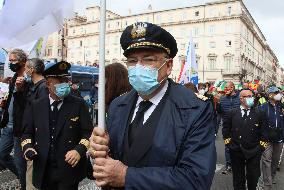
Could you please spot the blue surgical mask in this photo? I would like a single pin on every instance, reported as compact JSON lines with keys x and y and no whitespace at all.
{"x":27,"y":78}
{"x":62,"y":90}
{"x":250,"y":101}
{"x":144,"y":79}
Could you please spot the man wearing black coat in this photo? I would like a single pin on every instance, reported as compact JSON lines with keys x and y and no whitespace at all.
{"x":33,"y":76}
{"x":11,"y":122}
{"x":56,"y":134}
{"x":244,"y":134}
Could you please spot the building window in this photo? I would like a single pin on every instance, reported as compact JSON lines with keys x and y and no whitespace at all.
{"x":195,"y":31}
{"x":212,"y":62}
{"x":89,"y":53}
{"x":196,"y":45}
{"x":228,"y":63}
{"x":82,"y":30}
{"x":59,"y":53}
{"x":81,"y":43}
{"x":212,"y":44}
{"x":229,"y":43}
{"x":184,"y":16}
{"x":229,"y":9}
{"x":212,"y":13}
{"x":74,"y":31}
{"x":126,"y":23}
{"x":118,"y":24}
{"x":107,"y":51}
{"x":228,"y":28}
{"x":49,"y":52}
{"x":211,"y":30}
{"x":196,"y":13}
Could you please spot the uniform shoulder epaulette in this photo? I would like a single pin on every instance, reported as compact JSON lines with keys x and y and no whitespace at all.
{"x":201,"y":97}
{"x":123,"y":94}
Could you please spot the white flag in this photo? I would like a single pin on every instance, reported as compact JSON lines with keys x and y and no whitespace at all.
{"x":22,"y":22}
{"x":189,"y":71}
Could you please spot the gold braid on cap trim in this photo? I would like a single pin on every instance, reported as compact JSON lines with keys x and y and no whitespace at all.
{"x":264,"y":144}
{"x":25,"y":142}
{"x":149,"y":44}
{"x":85,"y":142}
{"x":227,"y":141}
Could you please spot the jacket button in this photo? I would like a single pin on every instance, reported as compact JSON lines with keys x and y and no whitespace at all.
{"x":70,"y":141}
{"x":240,"y":137}
{"x":36,"y":129}
{"x":70,"y":127}
{"x":35,"y":143}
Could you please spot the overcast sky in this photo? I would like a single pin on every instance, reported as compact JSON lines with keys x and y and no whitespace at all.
{"x":268,"y":14}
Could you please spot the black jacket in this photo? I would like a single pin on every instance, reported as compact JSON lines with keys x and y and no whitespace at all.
{"x":73,"y":130}
{"x":19,"y":104}
{"x":245,"y":135}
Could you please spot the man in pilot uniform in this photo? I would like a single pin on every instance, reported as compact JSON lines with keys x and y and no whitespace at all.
{"x":160,"y":135}
{"x":56,"y":134}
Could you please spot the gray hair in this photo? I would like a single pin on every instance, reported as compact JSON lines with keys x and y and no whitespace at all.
{"x":21,"y":56}
{"x":37,"y":64}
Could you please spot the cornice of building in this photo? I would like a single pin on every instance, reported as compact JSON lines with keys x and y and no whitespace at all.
{"x":154,"y":12}
{"x":244,"y":6}
{"x":164,"y":24}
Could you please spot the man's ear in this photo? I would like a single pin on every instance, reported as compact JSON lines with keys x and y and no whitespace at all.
{"x":169,"y":66}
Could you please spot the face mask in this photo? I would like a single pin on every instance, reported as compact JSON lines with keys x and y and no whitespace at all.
{"x":62,"y":90}
{"x":27,"y":78}
{"x":14,"y":67}
{"x":201,"y":92}
{"x":278,"y":97}
{"x":250,"y":102}
{"x":144,"y":79}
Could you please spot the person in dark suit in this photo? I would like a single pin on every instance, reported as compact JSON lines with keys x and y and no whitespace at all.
{"x":160,"y":134}
{"x":56,"y":134}
{"x":33,"y":76}
{"x":244,"y":132}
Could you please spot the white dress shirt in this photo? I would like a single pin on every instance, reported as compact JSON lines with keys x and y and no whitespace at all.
{"x":51,"y":100}
{"x":155,"y":101}
{"x":243,"y":111}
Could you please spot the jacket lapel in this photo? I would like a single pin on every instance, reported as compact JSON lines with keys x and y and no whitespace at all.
{"x":125,"y":110}
{"x":63,"y":115}
{"x":44,"y":115}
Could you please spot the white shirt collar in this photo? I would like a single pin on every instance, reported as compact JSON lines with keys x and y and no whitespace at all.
{"x":242,"y":108}
{"x":158,"y":97}
{"x":51,"y":100}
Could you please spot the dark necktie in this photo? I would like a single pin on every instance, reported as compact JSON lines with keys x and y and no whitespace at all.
{"x":55,"y":110}
{"x":245,"y":114}
{"x":138,"y":120}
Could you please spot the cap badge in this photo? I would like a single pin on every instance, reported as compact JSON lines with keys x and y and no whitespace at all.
{"x":62,"y":66}
{"x":138,"y":30}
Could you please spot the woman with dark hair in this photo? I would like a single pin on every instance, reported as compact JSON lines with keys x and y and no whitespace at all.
{"x":191,"y":86}
{"x":116,"y":82}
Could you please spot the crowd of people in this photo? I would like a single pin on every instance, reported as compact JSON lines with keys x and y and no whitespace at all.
{"x":252,"y":128}
{"x":159,"y":134}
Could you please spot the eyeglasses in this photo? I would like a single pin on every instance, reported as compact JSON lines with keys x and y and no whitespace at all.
{"x":146,"y":61}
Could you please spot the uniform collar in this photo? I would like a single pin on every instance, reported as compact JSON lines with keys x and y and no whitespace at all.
{"x":158,"y":97}
{"x":176,"y":91}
